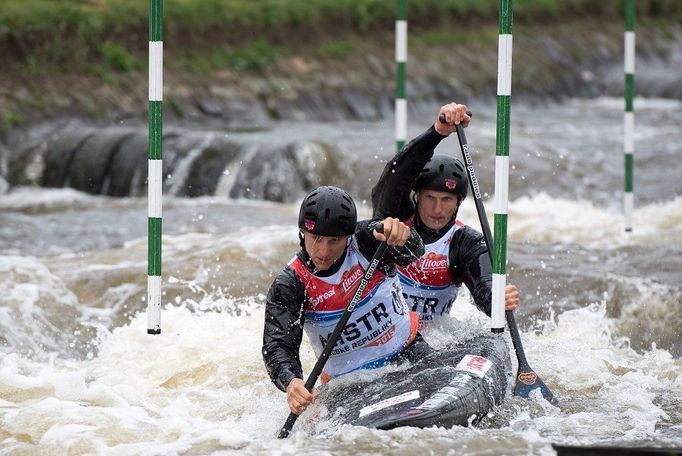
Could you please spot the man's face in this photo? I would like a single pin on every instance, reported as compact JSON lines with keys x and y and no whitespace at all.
{"x":324,"y":250}
{"x":436,"y":208}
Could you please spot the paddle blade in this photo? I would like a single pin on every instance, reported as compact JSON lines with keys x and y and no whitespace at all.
{"x":528,"y":381}
{"x":284,"y":432}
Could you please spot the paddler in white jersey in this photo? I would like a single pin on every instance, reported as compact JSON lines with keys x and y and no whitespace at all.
{"x":314,"y":290}
{"x":425,"y":191}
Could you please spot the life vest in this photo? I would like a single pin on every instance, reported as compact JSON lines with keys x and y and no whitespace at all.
{"x":428,"y":285}
{"x":379,"y":327}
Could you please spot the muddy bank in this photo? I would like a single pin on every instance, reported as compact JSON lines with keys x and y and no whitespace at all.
{"x":580,"y":59}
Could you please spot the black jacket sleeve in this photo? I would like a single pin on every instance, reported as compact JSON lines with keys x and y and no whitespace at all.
{"x":402,"y":256}
{"x":391,"y":194}
{"x":283,"y":331}
{"x":470,"y":264}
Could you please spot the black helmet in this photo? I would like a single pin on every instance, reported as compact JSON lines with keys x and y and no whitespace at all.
{"x":443,"y":173}
{"x":328,"y":211}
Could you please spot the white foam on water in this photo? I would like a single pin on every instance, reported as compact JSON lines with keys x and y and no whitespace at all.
{"x":201,"y":387}
{"x":201,"y":383}
{"x":543,"y":219}
{"x":38,"y":313}
{"x":608,"y":391}
{"x":36,"y":199}
{"x":616,"y":104}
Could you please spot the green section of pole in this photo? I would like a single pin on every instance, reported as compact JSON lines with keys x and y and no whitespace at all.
{"x":402,"y":10}
{"x":155,"y":20}
{"x":629,"y":159}
{"x":155,"y":167}
{"x":506,"y":16}
{"x":503,"y":122}
{"x":629,"y":92}
{"x":401,"y":73}
{"x":630,"y":15}
{"x":500,"y":244}
{"x":154,"y":246}
{"x":155,"y":130}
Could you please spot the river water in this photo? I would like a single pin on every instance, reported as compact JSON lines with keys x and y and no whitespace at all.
{"x":600,"y":318}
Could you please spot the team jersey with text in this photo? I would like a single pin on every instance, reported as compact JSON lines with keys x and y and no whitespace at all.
{"x":427,"y":283}
{"x":380,"y":325}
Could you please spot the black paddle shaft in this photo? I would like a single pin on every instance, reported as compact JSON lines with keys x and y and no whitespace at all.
{"x":329,"y":346}
{"x":526,"y":379}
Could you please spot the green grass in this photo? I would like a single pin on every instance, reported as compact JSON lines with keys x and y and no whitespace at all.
{"x":337,"y":49}
{"x":485,"y":35}
{"x":249,"y":35}
{"x":12,"y":118}
{"x":256,"y":56}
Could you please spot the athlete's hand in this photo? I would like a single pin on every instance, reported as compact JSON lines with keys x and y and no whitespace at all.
{"x":298,"y":397}
{"x":454,"y":114}
{"x":512,"y":297}
{"x":395,"y":232}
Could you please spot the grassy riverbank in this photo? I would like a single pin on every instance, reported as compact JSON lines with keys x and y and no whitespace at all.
{"x":54,"y":49}
{"x":72,"y":35}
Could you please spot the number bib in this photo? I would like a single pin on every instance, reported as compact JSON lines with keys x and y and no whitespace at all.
{"x":379,"y":327}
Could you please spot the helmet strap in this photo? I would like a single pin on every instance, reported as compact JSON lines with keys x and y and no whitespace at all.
{"x":459,"y":203}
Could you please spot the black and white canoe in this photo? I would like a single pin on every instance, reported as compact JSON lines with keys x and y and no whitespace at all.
{"x":455,"y":385}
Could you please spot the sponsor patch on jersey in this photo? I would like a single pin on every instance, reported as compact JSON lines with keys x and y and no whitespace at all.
{"x":450,"y":183}
{"x":309,"y":224}
{"x":432,"y":261}
{"x":474,"y":364}
{"x":351,"y":277}
{"x":395,"y":400}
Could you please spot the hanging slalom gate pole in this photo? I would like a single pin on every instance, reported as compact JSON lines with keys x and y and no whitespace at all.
{"x":527,"y":380}
{"x":504,"y":73}
{"x":401,"y":74}
{"x":629,"y":120}
{"x":155,"y":168}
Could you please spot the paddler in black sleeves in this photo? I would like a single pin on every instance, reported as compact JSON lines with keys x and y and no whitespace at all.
{"x":425,"y":191}
{"x":313,"y":291}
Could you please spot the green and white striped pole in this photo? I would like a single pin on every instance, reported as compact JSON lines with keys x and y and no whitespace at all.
{"x":401,"y":73}
{"x":155,"y":177}
{"x":629,"y":120}
{"x":504,"y":80}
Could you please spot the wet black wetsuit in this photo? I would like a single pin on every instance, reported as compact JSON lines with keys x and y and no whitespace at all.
{"x":391,"y":197}
{"x":287,"y":303}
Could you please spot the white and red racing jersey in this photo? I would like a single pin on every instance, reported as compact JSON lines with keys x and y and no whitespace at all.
{"x":380,"y":325}
{"x":427,"y":283}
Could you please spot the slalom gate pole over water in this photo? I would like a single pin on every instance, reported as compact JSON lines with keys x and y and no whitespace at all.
{"x":504,"y":77}
{"x":527,"y":380}
{"x":401,"y":74}
{"x":629,"y":120}
{"x":155,"y":168}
